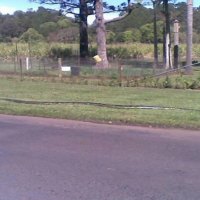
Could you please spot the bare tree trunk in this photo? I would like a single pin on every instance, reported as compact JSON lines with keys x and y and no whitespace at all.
{"x":189,"y":35}
{"x":155,"y":36}
{"x":167,"y":40}
{"x":101,"y":34}
{"x":164,"y":44}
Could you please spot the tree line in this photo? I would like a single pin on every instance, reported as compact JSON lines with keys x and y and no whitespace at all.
{"x":43,"y":24}
{"x":137,"y":27}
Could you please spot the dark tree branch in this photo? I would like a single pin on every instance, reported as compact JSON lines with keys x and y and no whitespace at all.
{"x":127,"y":13}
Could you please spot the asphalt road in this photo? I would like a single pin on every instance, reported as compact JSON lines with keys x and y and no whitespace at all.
{"x":48,"y":159}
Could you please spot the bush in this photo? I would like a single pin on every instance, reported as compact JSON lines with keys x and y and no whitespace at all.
{"x":194,"y":85}
{"x":60,"y":52}
{"x":31,"y":35}
{"x":92,"y":51}
{"x":167,"y":83}
{"x":124,"y":52}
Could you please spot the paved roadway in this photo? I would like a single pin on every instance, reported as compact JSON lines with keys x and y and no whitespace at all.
{"x":47,"y":159}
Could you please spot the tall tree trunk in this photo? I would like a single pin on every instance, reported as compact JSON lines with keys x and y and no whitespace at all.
{"x":101,"y":34}
{"x":155,"y":36}
{"x":167,"y":40}
{"x":164,"y":45}
{"x":84,"y":52}
{"x":189,"y":35}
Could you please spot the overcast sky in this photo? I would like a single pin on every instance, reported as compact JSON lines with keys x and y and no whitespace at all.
{"x":9,"y":6}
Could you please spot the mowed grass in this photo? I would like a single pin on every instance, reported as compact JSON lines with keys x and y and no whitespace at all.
{"x":48,"y":91}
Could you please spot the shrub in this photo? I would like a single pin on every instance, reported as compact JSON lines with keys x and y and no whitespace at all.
{"x":194,"y":85}
{"x":31,"y":35}
{"x":60,"y":52}
{"x":167,"y":82}
{"x":92,"y":51}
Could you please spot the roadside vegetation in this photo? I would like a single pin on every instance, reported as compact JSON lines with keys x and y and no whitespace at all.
{"x":171,"y":108}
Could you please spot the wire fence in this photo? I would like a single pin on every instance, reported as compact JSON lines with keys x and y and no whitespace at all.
{"x":122,"y":72}
{"x":51,"y":67}
{"x":127,"y":61}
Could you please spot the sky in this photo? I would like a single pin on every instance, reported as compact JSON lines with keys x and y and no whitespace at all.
{"x":10,"y":6}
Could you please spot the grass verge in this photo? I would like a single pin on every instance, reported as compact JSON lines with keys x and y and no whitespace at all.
{"x":47,"y":91}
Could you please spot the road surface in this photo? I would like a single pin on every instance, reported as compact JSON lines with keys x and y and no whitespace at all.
{"x":49,"y":159}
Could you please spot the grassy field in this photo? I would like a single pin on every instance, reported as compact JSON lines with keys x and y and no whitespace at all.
{"x":186,"y":102}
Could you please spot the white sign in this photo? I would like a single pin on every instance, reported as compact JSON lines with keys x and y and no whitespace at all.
{"x":66,"y":68}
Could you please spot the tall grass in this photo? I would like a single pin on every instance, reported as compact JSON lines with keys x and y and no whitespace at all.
{"x":121,"y":50}
{"x":8,"y":50}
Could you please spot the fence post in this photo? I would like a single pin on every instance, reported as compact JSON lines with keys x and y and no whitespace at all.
{"x":60,"y":67}
{"x":15,"y":64}
{"x":120,"y":73}
{"x":20,"y":65}
{"x":29,"y":53}
{"x":16,"y":56}
{"x":44,"y":66}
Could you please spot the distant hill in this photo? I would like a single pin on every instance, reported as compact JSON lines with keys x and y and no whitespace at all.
{"x":139,"y":17}
{"x":44,"y":21}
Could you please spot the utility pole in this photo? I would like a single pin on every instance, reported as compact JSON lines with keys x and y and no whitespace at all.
{"x":189,"y":36}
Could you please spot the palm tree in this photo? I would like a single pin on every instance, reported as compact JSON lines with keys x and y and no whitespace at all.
{"x":155,"y":3}
{"x":189,"y":36}
{"x":167,"y":39}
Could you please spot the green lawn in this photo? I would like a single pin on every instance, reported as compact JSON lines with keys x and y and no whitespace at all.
{"x":48,"y":91}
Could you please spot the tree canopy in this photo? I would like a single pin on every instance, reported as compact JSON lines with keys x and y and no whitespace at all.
{"x":44,"y":21}
{"x":15,"y":25}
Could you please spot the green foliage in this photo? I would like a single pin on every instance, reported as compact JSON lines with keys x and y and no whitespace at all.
{"x":147,"y":33}
{"x":60,"y":52}
{"x":48,"y":27}
{"x":10,"y":28}
{"x":40,"y":49}
{"x":31,"y":35}
{"x":173,"y":81}
{"x":139,"y":22}
{"x":136,"y":19}
{"x":196,"y":50}
{"x":167,"y":82}
{"x":110,"y":37}
{"x":119,"y":52}
{"x":136,"y":35}
{"x":64,"y":23}
{"x":44,"y":20}
{"x":195,"y":84}
{"x":93,"y":51}
{"x":135,"y":50}
{"x":179,"y":83}
{"x":126,"y":37}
